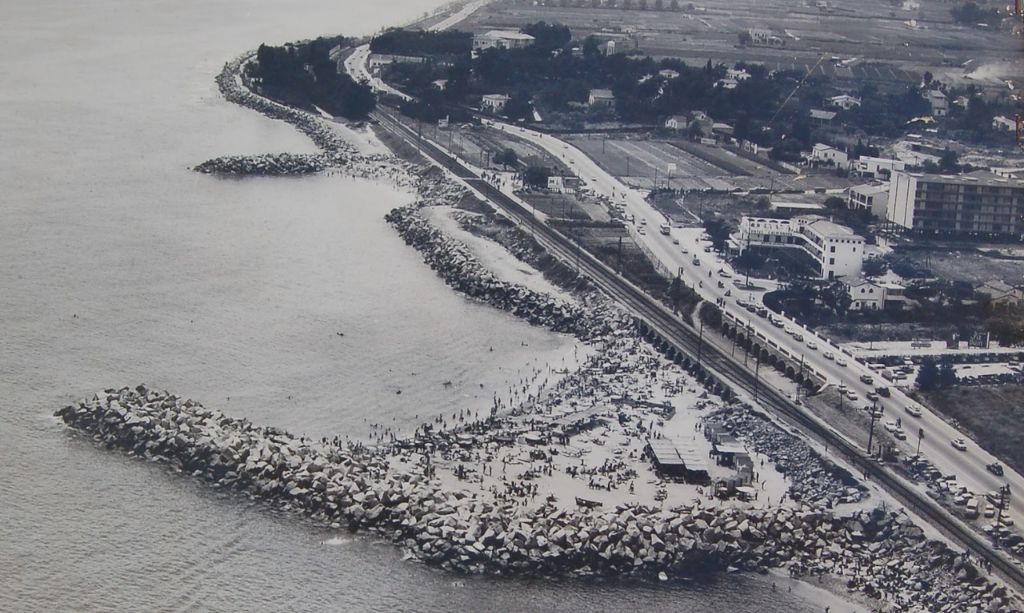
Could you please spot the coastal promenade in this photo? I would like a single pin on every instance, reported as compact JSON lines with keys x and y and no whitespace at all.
{"x":681,"y":338}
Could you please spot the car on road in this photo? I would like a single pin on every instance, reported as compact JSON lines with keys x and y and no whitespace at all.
{"x":852,"y":395}
{"x":891,"y":426}
{"x":883,"y":391}
{"x":643,"y":222}
{"x":675,"y":241}
{"x":725,"y":274}
{"x":913,"y":411}
{"x":872,"y":396}
{"x":798,"y":337}
{"x":684,"y":251}
{"x":867,"y":379}
{"x":696,"y":261}
{"x":840,"y":362}
{"x":778,"y":323}
{"x":900,"y":435}
{"x":958,"y":444}
{"x":812,"y":345}
{"x":828,"y":355}
{"x":641,"y":231}
{"x":995,"y":468}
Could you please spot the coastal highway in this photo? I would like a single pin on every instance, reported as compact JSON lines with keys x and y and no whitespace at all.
{"x":700,"y":267}
{"x":685,"y":338}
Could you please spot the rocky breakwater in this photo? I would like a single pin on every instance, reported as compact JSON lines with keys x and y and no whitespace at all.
{"x":270,"y":164}
{"x":881,"y":554}
{"x":453,"y":261}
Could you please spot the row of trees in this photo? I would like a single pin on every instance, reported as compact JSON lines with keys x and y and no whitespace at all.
{"x":305,"y":76}
{"x":932,"y":376}
{"x":970,"y":14}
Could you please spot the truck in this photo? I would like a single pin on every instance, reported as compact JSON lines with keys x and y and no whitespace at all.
{"x":665,"y":229}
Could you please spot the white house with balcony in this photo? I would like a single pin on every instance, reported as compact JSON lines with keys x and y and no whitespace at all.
{"x":494,"y":103}
{"x":877,"y":168}
{"x":844,"y":101}
{"x":872,"y":197}
{"x":501,"y":39}
{"x":827,"y":155}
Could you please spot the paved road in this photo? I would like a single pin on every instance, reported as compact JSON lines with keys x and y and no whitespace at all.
{"x":696,"y":263}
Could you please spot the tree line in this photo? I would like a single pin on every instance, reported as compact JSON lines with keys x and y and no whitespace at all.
{"x":305,"y":76}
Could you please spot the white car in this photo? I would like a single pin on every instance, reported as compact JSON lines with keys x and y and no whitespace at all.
{"x":812,"y":345}
{"x":675,"y":241}
{"x":890,"y":425}
{"x":829,"y":355}
{"x":852,"y":395}
{"x":958,"y":444}
{"x":840,"y":362}
{"x":913,"y":411}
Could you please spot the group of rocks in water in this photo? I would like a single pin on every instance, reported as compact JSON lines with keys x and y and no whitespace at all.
{"x":879,"y":553}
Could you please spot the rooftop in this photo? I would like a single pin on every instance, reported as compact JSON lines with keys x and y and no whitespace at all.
{"x":978,"y":177}
{"x":505,"y":35}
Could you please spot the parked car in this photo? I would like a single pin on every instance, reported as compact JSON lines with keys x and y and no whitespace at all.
{"x":900,"y":435}
{"x":959,"y":444}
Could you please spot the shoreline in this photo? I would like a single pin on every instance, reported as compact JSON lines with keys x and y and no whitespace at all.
{"x":445,"y":251}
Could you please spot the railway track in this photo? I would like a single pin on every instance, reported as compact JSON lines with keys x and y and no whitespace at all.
{"x":723,"y":367}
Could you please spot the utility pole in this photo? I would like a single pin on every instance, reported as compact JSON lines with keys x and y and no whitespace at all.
{"x":757,"y":371}
{"x":1003,"y":491}
{"x":920,"y":435}
{"x":871,"y":433}
{"x":746,"y":348}
{"x":700,"y":339}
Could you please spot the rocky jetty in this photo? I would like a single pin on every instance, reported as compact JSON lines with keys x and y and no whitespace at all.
{"x":878,"y":553}
{"x":270,"y":164}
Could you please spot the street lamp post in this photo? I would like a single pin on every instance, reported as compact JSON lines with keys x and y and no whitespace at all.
{"x":920,"y":435}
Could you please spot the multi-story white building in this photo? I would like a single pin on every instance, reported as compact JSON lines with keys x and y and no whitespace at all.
{"x":837,"y":251}
{"x":979,"y":204}
{"x":871,"y":197}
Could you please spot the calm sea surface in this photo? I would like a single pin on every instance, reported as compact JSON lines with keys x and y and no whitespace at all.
{"x":118,"y":266}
